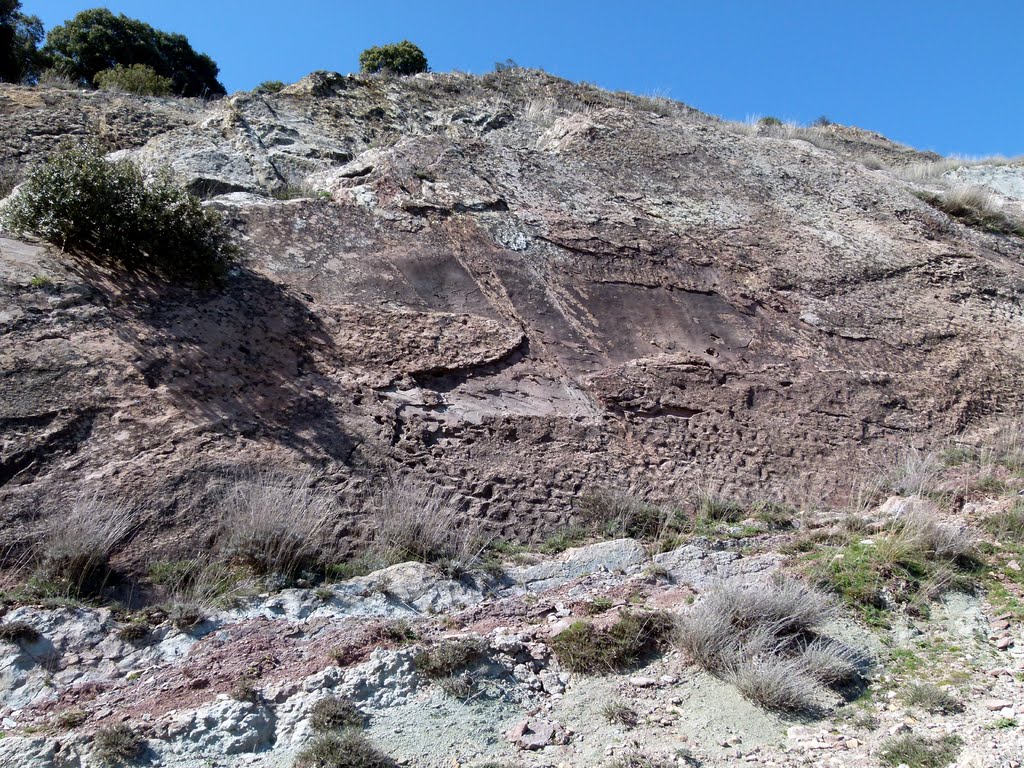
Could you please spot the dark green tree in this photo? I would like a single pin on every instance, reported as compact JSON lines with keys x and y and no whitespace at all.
{"x":20,"y":35}
{"x":97,"y":40}
{"x":402,"y":58}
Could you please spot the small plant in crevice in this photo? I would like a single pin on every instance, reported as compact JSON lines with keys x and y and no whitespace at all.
{"x":764,"y":639}
{"x":619,"y":713}
{"x":932,"y":699}
{"x":587,"y":648}
{"x":116,"y":745}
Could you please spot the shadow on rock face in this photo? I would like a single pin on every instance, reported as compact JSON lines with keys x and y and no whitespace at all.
{"x":244,"y":358}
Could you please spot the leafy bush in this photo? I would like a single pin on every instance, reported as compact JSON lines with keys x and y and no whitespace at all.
{"x":348,"y":749}
{"x":138,"y":79}
{"x":770,"y":122}
{"x":586,"y":648}
{"x":920,"y":751}
{"x":107,"y":211}
{"x":96,"y":40}
{"x":270,"y":86}
{"x":116,"y":744}
{"x":402,"y":58}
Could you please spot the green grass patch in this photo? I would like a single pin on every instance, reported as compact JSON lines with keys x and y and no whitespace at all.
{"x":588,"y":649}
{"x":920,"y":751}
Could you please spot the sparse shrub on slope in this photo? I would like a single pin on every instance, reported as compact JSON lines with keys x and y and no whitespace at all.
{"x":589,"y":649}
{"x":348,"y":749}
{"x":270,"y":86}
{"x":108,"y":212}
{"x":116,"y":745}
{"x":138,"y":79}
{"x":402,"y":58}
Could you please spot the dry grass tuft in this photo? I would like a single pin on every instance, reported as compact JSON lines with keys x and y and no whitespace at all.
{"x":932,"y":699}
{"x":763,"y":639}
{"x":616,"y":712}
{"x":974,"y":207}
{"x":918,"y":751}
{"x":275,"y":525}
{"x":75,"y":549}
{"x":414,"y":520}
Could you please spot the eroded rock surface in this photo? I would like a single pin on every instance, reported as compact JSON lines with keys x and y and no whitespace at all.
{"x":521,"y":287}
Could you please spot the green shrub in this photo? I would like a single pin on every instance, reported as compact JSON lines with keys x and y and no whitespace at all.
{"x":920,"y":751}
{"x":348,"y":749}
{"x":107,"y":211}
{"x":116,"y":744}
{"x":770,"y":122}
{"x":270,"y":86}
{"x":588,"y":649}
{"x":96,"y":40}
{"x":138,"y":79}
{"x":402,"y":58}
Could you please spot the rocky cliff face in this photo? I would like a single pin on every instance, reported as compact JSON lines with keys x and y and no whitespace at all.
{"x":521,"y":287}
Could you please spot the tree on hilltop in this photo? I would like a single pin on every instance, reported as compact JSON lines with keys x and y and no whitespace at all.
{"x":96,"y":40}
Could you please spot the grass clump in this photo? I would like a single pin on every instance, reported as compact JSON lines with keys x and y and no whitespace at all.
{"x":70,"y":719}
{"x":75,"y":548}
{"x":931,"y":699}
{"x":17,"y":632}
{"x":334,"y":713}
{"x":108,"y":212}
{"x":133,"y":631}
{"x":974,"y":207}
{"x":348,"y":749}
{"x":116,"y":745}
{"x":138,"y":79}
{"x":413,"y":519}
{"x":588,"y":649}
{"x":275,"y":525}
{"x":1008,"y":525}
{"x":763,"y":639}
{"x":637,"y":759}
{"x":617,"y":713}
{"x":920,"y":751}
{"x":914,"y":560}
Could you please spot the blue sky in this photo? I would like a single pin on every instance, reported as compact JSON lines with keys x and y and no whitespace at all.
{"x":941,"y":75}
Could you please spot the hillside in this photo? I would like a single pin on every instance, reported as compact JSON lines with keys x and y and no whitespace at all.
{"x":525,"y":292}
